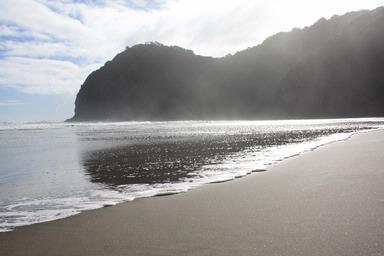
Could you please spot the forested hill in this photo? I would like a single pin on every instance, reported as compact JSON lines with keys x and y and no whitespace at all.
{"x":334,"y":68}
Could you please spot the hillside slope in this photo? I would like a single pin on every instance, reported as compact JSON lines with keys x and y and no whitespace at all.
{"x":334,"y":68}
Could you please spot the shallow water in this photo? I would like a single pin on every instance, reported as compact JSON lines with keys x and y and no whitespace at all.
{"x":54,"y":170}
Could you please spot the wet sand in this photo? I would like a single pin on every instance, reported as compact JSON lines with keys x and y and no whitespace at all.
{"x":326,"y":202}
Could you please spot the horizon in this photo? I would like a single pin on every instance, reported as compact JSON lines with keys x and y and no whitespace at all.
{"x":170,"y":127}
{"x":56,"y":58}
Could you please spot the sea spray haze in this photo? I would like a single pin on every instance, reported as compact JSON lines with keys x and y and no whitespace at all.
{"x":330,"y":69}
{"x":54,"y":170}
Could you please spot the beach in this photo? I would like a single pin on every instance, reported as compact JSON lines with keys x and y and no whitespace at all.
{"x":329,"y":201}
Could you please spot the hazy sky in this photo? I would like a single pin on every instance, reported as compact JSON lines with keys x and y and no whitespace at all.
{"x":47,"y":48}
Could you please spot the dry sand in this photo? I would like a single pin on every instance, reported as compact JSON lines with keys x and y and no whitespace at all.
{"x":326,"y":202}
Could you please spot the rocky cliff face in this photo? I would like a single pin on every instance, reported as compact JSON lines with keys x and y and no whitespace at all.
{"x":335,"y":68}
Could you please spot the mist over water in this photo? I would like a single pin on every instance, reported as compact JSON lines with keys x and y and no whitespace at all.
{"x":54,"y":170}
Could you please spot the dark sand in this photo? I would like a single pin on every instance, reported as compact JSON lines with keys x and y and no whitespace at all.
{"x":326,"y":202}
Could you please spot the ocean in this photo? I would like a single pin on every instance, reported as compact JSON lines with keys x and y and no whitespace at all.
{"x":50,"y":171}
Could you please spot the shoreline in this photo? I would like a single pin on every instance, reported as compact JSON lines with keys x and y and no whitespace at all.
{"x":285,"y":210}
{"x":313,"y":144}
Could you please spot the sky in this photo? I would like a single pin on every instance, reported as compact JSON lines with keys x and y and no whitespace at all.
{"x":48,"y":48}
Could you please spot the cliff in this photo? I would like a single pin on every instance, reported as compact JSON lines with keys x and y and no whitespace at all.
{"x":334,"y":68}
